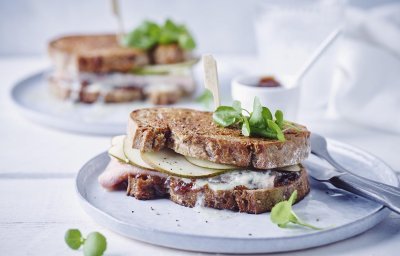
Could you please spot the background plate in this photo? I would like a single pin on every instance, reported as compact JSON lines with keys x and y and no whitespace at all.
{"x":33,"y":98}
{"x":164,"y":223}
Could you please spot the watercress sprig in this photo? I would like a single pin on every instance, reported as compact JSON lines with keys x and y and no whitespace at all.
{"x":282,"y":214}
{"x":94,"y":245}
{"x":259,"y":122}
{"x":149,"y":34}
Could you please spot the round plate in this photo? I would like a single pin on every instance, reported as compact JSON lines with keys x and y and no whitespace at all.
{"x":31,"y":95}
{"x":162,"y":222}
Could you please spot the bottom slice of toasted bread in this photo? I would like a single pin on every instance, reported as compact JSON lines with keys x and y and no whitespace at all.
{"x":145,"y":186}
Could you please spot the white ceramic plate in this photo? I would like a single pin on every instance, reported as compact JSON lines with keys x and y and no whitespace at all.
{"x":32,"y":97}
{"x":164,"y":223}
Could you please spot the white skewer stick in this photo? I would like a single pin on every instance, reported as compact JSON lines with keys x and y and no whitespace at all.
{"x":317,"y":54}
{"x":116,"y":12}
{"x":211,"y":77}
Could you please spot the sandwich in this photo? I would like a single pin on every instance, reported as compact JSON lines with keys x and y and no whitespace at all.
{"x":152,"y":62}
{"x":194,"y":159}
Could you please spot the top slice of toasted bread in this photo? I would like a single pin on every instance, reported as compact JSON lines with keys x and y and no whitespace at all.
{"x":94,"y":53}
{"x":193,"y":133}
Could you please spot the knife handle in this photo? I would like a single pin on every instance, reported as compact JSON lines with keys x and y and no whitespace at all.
{"x":364,"y":188}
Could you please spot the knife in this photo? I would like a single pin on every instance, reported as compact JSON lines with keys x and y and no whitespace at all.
{"x":354,"y":184}
{"x":319,"y":148}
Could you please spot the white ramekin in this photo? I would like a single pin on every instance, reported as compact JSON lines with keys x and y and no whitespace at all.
{"x":244,"y":89}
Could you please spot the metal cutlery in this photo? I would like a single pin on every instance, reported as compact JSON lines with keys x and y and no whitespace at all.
{"x":319,"y":148}
{"x":354,"y":184}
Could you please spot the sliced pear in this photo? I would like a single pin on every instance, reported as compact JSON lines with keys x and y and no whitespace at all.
{"x":133,"y":155}
{"x":209,"y":164}
{"x":117,"y":152}
{"x":169,"y":162}
{"x":290,"y":168}
{"x":117,"y":140}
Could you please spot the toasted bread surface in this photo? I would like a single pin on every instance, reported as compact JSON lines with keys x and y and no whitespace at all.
{"x":182,"y":192}
{"x":193,"y":133}
{"x":94,"y":53}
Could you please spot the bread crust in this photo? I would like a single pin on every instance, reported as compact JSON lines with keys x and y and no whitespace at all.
{"x":146,"y":187}
{"x":193,"y":133}
{"x":94,"y":53}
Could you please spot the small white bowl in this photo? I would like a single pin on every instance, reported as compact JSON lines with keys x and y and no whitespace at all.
{"x":244,"y":89}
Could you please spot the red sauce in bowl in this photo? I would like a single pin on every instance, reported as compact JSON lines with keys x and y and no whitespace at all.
{"x":268,"y":81}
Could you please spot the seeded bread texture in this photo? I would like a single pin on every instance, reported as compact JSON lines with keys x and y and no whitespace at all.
{"x":94,"y":53}
{"x":193,"y":133}
{"x":182,"y":192}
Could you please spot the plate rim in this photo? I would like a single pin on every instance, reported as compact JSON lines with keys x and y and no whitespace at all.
{"x":53,"y":121}
{"x":376,"y":215}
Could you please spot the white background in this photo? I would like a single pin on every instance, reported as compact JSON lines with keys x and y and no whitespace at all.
{"x":220,"y":26}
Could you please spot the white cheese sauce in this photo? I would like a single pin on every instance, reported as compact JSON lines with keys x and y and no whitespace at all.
{"x":248,"y":178}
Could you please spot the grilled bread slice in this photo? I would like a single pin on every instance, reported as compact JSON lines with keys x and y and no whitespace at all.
{"x":94,"y":53}
{"x":148,"y":185}
{"x":193,"y":133}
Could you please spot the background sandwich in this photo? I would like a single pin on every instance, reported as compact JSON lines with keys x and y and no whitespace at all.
{"x":152,"y":62}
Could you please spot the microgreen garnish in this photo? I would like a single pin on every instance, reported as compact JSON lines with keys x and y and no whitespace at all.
{"x":206,"y":98}
{"x":149,"y":34}
{"x":282,"y":214}
{"x":260,"y":122}
{"x":94,"y":245}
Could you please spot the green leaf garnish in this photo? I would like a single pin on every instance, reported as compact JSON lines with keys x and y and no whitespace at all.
{"x":282,"y":214}
{"x":149,"y":34}
{"x":257,"y":123}
{"x":279,"y":118}
{"x":226,"y":116}
{"x":206,"y":98}
{"x":273,"y":126}
{"x":73,"y":238}
{"x":94,"y":245}
{"x":246,"y":127}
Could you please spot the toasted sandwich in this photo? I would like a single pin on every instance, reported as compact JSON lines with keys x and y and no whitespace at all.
{"x":183,"y":155}
{"x":91,"y":68}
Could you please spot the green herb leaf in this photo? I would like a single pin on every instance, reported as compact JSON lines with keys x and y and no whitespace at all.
{"x":256,"y":117}
{"x":237,"y":106}
{"x":73,"y":238}
{"x":279,"y":118}
{"x":282,"y":214}
{"x":143,"y":37}
{"x":206,"y":98}
{"x":266,"y":113}
{"x":260,"y":123}
{"x":148,"y":34}
{"x":186,"y":42}
{"x":95,"y":244}
{"x":246,"y":127}
{"x":263,"y":132}
{"x":277,"y":130}
{"x":226,"y":116}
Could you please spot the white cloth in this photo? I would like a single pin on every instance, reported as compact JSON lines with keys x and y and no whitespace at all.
{"x":367,"y":83}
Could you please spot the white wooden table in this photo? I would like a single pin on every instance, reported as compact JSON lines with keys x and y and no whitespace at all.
{"x":38,"y":166}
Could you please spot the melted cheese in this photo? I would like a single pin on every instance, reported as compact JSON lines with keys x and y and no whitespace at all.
{"x":248,"y":178}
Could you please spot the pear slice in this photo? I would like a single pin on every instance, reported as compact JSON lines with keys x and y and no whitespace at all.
{"x":133,"y":154}
{"x":290,"y":168}
{"x":210,"y":165}
{"x":117,"y":140}
{"x":116,"y":149}
{"x":169,"y":162}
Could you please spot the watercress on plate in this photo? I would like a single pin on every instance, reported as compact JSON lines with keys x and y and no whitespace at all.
{"x":282,"y":214}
